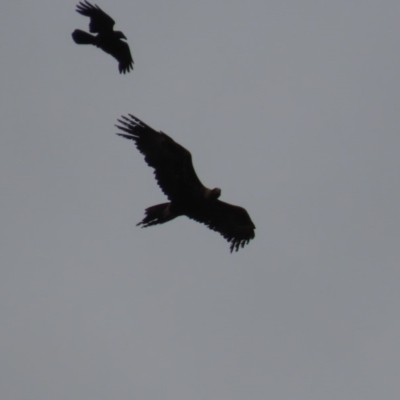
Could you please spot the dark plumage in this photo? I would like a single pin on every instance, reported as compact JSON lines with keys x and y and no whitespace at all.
{"x":106,"y":39}
{"x":177,"y":178}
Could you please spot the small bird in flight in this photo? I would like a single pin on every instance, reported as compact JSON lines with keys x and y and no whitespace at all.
{"x":106,"y":39}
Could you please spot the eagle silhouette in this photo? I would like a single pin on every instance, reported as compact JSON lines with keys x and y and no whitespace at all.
{"x":106,"y":39}
{"x":175,"y":174}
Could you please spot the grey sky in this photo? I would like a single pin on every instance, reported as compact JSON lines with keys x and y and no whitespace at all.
{"x":292,"y":108}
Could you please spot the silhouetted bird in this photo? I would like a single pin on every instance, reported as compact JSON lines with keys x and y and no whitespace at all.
{"x":178,"y":180}
{"x":106,"y":39}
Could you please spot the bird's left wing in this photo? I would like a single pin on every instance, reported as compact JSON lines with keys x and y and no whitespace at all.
{"x":121,"y":52}
{"x":232,"y":222}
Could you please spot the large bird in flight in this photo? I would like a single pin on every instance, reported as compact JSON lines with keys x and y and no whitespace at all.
{"x":175,"y":174}
{"x":106,"y":39}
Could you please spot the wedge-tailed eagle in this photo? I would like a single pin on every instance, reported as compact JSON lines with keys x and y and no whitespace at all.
{"x":175,"y":174}
{"x":106,"y":39}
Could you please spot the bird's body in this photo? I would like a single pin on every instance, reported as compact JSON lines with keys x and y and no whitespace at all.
{"x":110,"y":41}
{"x":178,"y":180}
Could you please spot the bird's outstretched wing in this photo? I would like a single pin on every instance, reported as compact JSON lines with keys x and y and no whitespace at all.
{"x":120,"y":51}
{"x":99,"y":21}
{"x":232,"y":222}
{"x":172,"y":163}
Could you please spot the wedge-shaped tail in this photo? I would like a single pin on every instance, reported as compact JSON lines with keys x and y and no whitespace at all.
{"x":81,"y":37}
{"x":158,"y":214}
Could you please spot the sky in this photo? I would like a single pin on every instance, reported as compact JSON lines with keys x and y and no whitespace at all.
{"x":292,"y":109}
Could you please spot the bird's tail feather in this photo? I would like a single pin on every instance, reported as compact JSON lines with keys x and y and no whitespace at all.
{"x":157,"y":214}
{"x":81,"y":37}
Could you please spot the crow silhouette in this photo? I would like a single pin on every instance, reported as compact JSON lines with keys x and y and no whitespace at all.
{"x":106,"y":39}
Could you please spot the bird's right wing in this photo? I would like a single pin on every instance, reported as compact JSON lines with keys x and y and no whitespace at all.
{"x":172,"y":163}
{"x":99,"y":20}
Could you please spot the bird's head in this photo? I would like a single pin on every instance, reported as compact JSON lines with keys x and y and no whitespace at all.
{"x":215,"y":193}
{"x":120,"y":35}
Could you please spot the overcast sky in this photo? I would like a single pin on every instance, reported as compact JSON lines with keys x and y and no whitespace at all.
{"x":292,"y":109}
